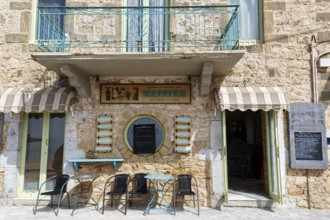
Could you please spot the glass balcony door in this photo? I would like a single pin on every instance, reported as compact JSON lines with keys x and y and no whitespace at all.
{"x":42,"y":150}
{"x":145,"y":26}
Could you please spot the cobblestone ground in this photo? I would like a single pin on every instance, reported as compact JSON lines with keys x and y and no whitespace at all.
{"x":84,"y":213}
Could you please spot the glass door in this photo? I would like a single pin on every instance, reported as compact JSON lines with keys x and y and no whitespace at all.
{"x":273,"y":160}
{"x":42,"y":150}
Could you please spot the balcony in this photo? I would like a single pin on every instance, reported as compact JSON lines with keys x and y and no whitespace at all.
{"x":137,"y":29}
{"x":123,"y":41}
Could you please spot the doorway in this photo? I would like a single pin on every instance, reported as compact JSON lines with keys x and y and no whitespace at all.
{"x":246,"y":154}
{"x":42,"y":150}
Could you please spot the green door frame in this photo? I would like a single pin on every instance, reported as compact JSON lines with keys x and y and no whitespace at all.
{"x":43,"y":155}
{"x":272,"y":145}
{"x":273,"y":158}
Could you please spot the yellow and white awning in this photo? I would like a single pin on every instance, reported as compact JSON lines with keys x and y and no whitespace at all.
{"x":252,"y":98}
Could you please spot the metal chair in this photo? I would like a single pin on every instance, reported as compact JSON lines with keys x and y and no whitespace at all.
{"x":185,"y":189}
{"x":139,"y":188}
{"x":59,"y":189}
{"x":120,"y":187}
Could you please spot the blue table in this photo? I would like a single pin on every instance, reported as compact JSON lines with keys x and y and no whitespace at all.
{"x":163,"y":204}
{"x":81,"y":178}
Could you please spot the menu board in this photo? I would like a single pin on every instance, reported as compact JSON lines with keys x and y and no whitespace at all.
{"x":308,"y":143}
{"x":144,"y":139}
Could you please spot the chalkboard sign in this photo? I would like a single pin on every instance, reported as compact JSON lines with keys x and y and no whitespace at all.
{"x":308,"y":140}
{"x":144,"y":139}
{"x":308,"y":145}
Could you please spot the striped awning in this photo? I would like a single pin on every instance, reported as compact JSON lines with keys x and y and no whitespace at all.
{"x":49,"y":99}
{"x":252,"y":98}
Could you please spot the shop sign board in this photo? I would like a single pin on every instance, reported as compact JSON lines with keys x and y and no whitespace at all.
{"x":308,"y":141}
{"x":145,"y":93}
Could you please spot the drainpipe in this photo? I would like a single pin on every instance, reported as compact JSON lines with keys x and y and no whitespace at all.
{"x":313,"y":40}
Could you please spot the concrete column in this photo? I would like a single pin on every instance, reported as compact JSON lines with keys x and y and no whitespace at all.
{"x":10,"y":158}
{"x":216,"y":163}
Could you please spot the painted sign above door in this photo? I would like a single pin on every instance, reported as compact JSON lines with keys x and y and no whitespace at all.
{"x":145,"y":93}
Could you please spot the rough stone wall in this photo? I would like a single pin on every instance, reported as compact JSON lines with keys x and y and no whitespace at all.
{"x":165,"y":160}
{"x":283,"y":60}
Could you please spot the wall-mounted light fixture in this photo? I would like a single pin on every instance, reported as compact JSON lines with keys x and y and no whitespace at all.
{"x":324,"y":62}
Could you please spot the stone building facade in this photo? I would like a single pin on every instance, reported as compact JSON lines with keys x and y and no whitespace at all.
{"x":282,"y":58}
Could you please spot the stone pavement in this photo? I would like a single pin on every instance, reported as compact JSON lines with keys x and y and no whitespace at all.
{"x":89,"y":213}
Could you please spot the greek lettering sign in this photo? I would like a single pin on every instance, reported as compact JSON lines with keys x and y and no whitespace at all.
{"x":145,"y":93}
{"x":308,"y":145}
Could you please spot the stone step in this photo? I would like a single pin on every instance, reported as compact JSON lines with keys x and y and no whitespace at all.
{"x":244,"y":199}
{"x":250,"y":203}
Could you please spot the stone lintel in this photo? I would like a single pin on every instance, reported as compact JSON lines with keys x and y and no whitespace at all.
{"x":280,"y":38}
{"x":323,"y":36}
{"x":20,"y":5}
{"x":276,"y":6}
{"x":79,"y":81}
{"x":16,"y":38}
{"x":206,"y":78}
{"x":323,"y":16}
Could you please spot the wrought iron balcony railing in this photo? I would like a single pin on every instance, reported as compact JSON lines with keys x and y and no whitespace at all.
{"x":137,"y":29}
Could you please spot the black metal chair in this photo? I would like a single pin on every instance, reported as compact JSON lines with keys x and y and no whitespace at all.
{"x":139,"y":188}
{"x":59,"y":189}
{"x":120,"y":186}
{"x":185,"y":189}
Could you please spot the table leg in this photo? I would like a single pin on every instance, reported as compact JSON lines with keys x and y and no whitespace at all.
{"x":82,"y":191}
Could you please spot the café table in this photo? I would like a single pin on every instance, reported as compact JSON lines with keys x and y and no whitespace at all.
{"x":159,"y":190}
{"x":81,"y":178}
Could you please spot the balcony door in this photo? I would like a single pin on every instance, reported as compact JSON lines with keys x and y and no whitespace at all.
{"x":145,"y":25}
{"x":51,"y":19}
{"x":42,"y":150}
{"x":249,"y":19}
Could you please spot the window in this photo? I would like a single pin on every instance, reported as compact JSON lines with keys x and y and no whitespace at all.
{"x":249,"y":19}
{"x":144,"y":135}
{"x":146,"y":25}
{"x":51,"y":20}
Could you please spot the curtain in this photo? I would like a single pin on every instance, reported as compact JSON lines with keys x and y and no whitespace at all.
{"x":134,"y":26}
{"x":157,"y":26}
{"x":248,"y":18}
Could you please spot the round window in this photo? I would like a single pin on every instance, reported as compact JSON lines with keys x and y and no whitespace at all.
{"x":144,"y":134}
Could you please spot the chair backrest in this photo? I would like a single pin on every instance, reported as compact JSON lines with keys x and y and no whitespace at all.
{"x":140,"y":183}
{"x":60,"y":181}
{"x":184,"y":182}
{"x":121,"y":181}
